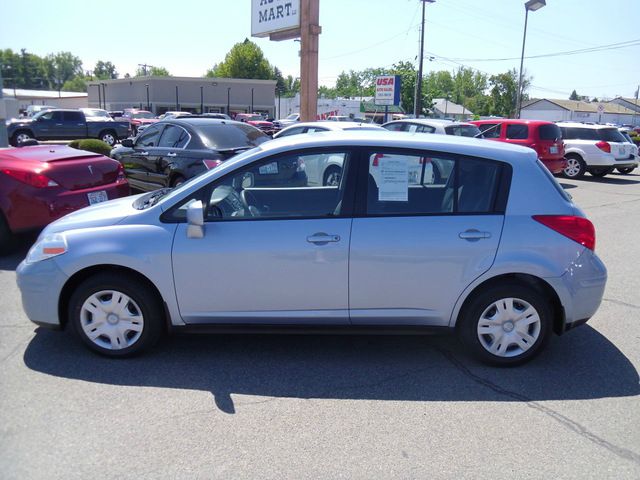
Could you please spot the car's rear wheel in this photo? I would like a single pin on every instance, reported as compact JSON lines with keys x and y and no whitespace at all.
{"x":116,"y":315}
{"x":600,"y":172}
{"x":506,"y":325}
{"x":576,"y":168}
{"x":332,"y":176}
{"x":626,"y":170}
{"x":109,"y":138}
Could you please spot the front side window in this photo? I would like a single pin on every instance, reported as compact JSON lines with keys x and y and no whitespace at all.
{"x":517,"y":132}
{"x":149,"y":138}
{"x":283,"y":186}
{"x":412,"y":184}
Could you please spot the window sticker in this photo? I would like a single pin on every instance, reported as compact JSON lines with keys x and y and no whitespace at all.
{"x":394,"y":179}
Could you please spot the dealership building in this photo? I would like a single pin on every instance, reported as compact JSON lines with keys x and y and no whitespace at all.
{"x":191,"y":94}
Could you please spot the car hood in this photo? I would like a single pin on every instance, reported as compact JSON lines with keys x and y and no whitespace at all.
{"x":19,"y":121}
{"x":99,"y":215}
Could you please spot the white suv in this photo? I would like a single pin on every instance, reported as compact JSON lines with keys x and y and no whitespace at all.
{"x":597,"y":149}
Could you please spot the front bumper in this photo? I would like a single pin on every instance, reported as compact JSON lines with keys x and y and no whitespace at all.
{"x":40,"y":285}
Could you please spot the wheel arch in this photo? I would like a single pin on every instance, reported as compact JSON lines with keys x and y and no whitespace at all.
{"x":81,"y":275}
{"x":521,"y":279}
{"x":20,"y":130}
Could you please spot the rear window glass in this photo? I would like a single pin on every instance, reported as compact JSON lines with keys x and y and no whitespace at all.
{"x":549,"y":132}
{"x":223,"y":136}
{"x":517,"y":132}
{"x":463,"y":130}
{"x":610,"y":135}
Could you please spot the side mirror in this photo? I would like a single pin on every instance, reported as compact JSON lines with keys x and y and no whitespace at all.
{"x":195,"y":220}
{"x":127,"y":142}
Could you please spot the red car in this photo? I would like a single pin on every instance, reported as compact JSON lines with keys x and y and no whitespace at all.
{"x":139,"y":117}
{"x":257,"y":121}
{"x":544,"y":137}
{"x":42,"y":183}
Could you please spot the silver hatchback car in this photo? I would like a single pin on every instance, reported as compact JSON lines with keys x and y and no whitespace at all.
{"x":422,"y":233}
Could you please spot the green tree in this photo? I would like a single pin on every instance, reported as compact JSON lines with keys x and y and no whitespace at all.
{"x":22,"y":70}
{"x":244,"y":60}
{"x":152,"y":72}
{"x":77,"y":84}
{"x":504,"y":91}
{"x":105,"y":70}
{"x":292,"y":86}
{"x":61,"y":67}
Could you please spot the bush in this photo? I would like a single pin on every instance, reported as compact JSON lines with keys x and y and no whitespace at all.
{"x":91,"y":145}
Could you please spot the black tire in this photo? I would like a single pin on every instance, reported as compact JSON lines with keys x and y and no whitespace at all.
{"x":626,"y":170}
{"x":109,"y":137}
{"x":576,"y":168}
{"x":600,"y":172}
{"x":479,"y":308}
{"x":177,"y":181}
{"x":332,"y":176}
{"x":6,"y":237}
{"x":142,"y":301}
{"x":20,"y":136}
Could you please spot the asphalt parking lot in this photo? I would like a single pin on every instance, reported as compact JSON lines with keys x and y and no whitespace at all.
{"x":335,"y":407}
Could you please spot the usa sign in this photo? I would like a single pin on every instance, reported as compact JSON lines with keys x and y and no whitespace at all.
{"x":387,"y":90}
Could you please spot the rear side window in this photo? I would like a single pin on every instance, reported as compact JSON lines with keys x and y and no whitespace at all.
{"x":73,"y":117}
{"x":394,"y":127}
{"x":411,"y":184}
{"x":221,"y":136}
{"x":549,"y":132}
{"x":517,"y":132}
{"x":491,"y":130}
{"x":577,"y":133}
{"x":610,"y":135}
{"x":463,"y":131}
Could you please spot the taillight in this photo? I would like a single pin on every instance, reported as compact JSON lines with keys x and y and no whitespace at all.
{"x":578,"y":229}
{"x":209,"y":164}
{"x":604,"y":146}
{"x":31,"y":178}
{"x":121,"y":175}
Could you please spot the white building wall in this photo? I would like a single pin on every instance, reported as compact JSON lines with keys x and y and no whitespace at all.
{"x":326,"y":106}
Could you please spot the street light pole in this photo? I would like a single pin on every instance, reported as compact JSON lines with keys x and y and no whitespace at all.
{"x":228,"y":97}
{"x":251,"y":101}
{"x":201,"y":99}
{"x":177,"y":105}
{"x":531,"y":5}
{"x":104,"y":94}
{"x":417,"y":103}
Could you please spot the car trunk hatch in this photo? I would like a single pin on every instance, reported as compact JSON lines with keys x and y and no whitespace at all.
{"x":83,"y":172}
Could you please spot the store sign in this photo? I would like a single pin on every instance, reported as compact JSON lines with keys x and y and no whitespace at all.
{"x":387,"y":90}
{"x":271,"y":16}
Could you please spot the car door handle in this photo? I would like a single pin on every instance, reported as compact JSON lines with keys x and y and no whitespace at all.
{"x":58,"y":124}
{"x":322,"y":238}
{"x":80,"y":124}
{"x":474,"y":234}
{"x":171,"y":154}
{"x":144,"y":154}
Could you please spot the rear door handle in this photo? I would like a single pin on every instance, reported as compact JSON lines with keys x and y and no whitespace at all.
{"x":144,"y":154}
{"x":322,"y":238}
{"x":171,"y":154}
{"x":473,"y":234}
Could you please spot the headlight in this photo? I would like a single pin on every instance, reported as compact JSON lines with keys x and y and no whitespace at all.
{"x":47,"y":247}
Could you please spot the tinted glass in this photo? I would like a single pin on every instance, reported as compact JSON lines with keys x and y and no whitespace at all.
{"x":491,"y":130}
{"x":626,"y":137}
{"x":142,"y":115}
{"x":463,"y":130}
{"x":292,"y":131}
{"x":517,"y":132}
{"x":577,"y":133}
{"x":413,"y":185}
{"x":610,"y":135}
{"x":173,"y":137}
{"x":394,"y":127}
{"x":221,"y":136}
{"x":549,"y":132}
{"x":149,"y":138}
{"x":73,"y":117}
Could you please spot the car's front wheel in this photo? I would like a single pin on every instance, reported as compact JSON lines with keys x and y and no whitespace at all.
{"x":506,"y":325}
{"x":116,"y":315}
{"x":332,"y":176}
{"x":576,"y":168}
{"x":109,"y":138}
{"x":626,"y":170}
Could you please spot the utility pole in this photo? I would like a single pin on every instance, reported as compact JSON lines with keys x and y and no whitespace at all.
{"x":309,"y":41}
{"x":417,"y":104}
{"x":3,"y":114}
{"x":144,"y":67}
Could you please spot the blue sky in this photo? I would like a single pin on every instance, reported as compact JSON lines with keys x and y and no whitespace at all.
{"x":189,"y":36}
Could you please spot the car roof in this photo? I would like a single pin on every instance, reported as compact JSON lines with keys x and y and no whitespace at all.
{"x":384,"y":138}
{"x":201,"y":121}
{"x":583,"y":125}
{"x":333,"y":125}
{"x":429,"y":121}
{"x":519,"y":121}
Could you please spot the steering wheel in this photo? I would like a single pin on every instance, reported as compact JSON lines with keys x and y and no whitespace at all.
{"x":248,"y":200}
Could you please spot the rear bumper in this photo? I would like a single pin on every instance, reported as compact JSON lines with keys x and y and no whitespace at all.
{"x":581,"y":288}
{"x":35,"y":208}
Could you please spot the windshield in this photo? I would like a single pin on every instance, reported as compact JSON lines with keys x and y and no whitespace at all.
{"x":253,"y":118}
{"x":293,"y":116}
{"x":224,"y":136}
{"x":463,"y":130}
{"x":142,"y":115}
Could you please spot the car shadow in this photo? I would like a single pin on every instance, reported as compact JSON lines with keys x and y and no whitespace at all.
{"x":610,"y":180}
{"x":580,"y":365}
{"x":568,"y":186}
{"x":9,"y":260}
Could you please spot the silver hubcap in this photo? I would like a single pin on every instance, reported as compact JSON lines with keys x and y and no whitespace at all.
{"x":333,"y":179}
{"x":111,"y":320}
{"x":573,"y":167}
{"x":509,"y":327}
{"x":108,"y":139}
{"x":23,"y":137}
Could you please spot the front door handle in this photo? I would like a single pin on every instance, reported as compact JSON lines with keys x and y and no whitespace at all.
{"x":474,"y":235}
{"x":171,"y":154}
{"x":322,"y":238}
{"x":144,"y":154}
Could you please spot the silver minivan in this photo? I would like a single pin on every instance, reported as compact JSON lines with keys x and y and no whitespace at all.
{"x":422,"y":233}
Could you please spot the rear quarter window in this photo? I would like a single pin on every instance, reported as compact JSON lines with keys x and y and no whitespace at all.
{"x":577,"y":133}
{"x":610,"y":135}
